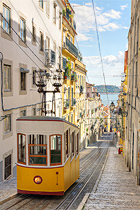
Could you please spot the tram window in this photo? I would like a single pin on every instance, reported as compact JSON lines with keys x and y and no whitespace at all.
{"x":77,"y":145}
{"x":55,"y":149}
{"x":21,"y":148}
{"x":37,"y":139}
{"x":67,"y":144}
{"x":37,"y":149}
{"x":72,"y":143}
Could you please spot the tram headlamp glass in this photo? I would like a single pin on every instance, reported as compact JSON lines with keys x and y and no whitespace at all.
{"x":37,"y":179}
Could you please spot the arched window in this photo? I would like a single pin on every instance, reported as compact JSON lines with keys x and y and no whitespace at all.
{"x":21,"y":148}
{"x":55,"y":149}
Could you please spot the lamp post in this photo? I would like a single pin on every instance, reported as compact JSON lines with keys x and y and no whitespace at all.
{"x":112,"y":106}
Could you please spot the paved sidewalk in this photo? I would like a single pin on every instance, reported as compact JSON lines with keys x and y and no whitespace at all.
{"x":8,"y":189}
{"x":117,"y":188}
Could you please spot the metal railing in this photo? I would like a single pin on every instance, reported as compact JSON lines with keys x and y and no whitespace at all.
{"x":50,"y":57}
{"x":71,"y":47}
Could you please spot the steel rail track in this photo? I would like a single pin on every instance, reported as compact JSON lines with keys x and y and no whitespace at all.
{"x":78,"y":191}
{"x":94,"y":155}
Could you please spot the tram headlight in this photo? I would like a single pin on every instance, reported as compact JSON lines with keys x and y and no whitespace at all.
{"x":37,"y":179}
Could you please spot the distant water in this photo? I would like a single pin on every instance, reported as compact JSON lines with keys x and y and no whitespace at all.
{"x":112,"y":97}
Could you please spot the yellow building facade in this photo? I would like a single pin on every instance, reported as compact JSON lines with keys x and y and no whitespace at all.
{"x":73,"y":88}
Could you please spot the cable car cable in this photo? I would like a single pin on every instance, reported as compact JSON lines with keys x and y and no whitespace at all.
{"x":99,"y":46}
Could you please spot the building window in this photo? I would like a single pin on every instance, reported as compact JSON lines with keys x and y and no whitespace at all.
{"x":22,"y":30}
{"x":72,"y":65}
{"x":7,"y":78}
{"x":7,"y":168}
{"x":48,"y":7}
{"x":6,"y":19}
{"x":67,"y":144}
{"x":33,"y":33}
{"x":71,"y":118}
{"x":55,"y":153}
{"x":71,"y":96}
{"x":34,"y":77}
{"x":54,"y":12}
{"x":72,"y":144}
{"x":21,"y":148}
{"x":37,"y":149}
{"x":41,"y":3}
{"x":34,"y":111}
{"x":23,"y":81}
{"x":7,"y":123}
{"x":47,"y":43}
{"x":22,"y":113}
{"x":41,"y":41}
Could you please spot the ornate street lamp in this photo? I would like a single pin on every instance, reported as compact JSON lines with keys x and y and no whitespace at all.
{"x":112,"y":106}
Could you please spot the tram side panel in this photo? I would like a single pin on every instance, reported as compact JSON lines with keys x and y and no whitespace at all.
{"x":77,"y":167}
{"x":52,"y":180}
{"x":67,"y":181}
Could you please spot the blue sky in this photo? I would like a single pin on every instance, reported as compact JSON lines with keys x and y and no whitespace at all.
{"x":113,"y":19}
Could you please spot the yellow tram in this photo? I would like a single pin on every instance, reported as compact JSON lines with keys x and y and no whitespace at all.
{"x":47,"y":155}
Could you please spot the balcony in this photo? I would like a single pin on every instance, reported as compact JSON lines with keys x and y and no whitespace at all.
{"x":68,"y":14}
{"x":66,"y":104}
{"x":71,"y":47}
{"x":81,"y":89}
{"x":49,"y":58}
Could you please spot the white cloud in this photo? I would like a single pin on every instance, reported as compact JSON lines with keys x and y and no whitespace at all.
{"x":88,"y":4}
{"x":113,"y":14}
{"x":82,"y":37}
{"x":111,"y":27}
{"x":85,"y":20}
{"x":124,"y":6}
{"x":113,"y":65}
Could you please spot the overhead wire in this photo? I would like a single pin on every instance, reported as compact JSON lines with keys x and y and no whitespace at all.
{"x":99,"y":46}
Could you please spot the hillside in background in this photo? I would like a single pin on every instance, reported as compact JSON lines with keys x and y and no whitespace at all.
{"x":110,"y":89}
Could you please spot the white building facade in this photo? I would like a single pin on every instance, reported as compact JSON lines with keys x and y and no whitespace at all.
{"x":30,"y":40}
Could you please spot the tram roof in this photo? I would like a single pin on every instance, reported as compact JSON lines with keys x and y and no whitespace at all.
{"x":44,"y":118}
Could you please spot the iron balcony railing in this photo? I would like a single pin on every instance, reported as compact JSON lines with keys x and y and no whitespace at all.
{"x":71,"y":47}
{"x":49,"y":57}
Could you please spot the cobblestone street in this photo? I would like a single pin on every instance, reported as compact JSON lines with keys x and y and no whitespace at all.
{"x":8,"y":189}
{"x":117,"y":188}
